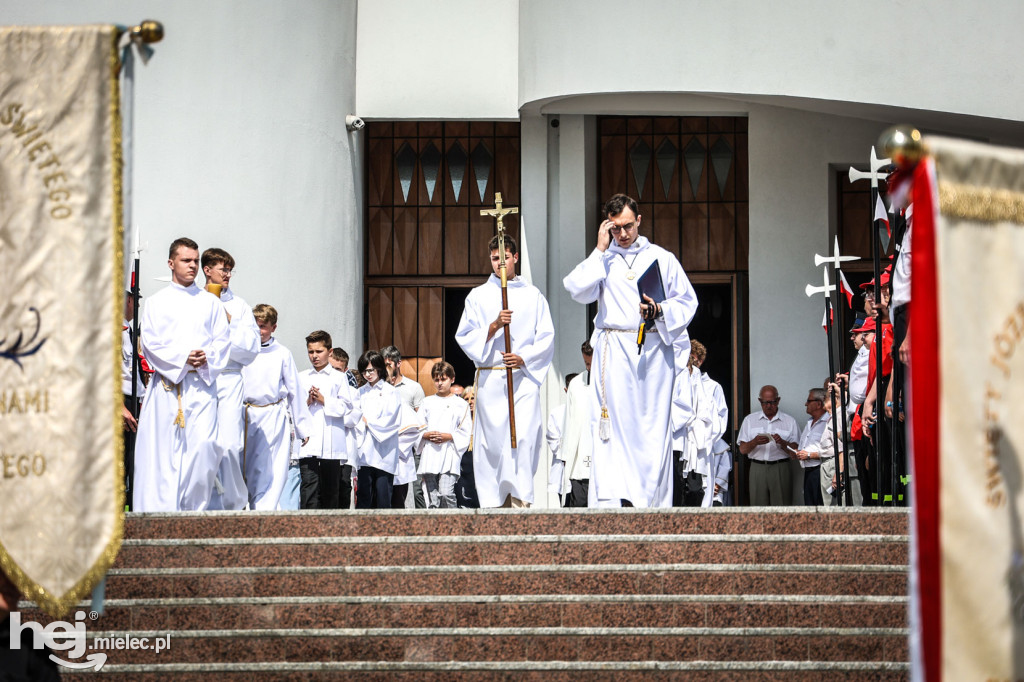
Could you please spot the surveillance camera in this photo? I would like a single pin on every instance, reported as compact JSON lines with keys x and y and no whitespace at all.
{"x":354,"y":123}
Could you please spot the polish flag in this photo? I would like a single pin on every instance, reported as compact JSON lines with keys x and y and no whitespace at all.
{"x":846,"y":289}
{"x":882,"y":214}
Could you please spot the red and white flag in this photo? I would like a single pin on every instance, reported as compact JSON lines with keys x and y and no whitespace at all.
{"x":882,"y":214}
{"x":845,"y":286}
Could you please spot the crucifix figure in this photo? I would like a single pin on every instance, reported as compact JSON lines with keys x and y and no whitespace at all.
{"x":499,"y":212}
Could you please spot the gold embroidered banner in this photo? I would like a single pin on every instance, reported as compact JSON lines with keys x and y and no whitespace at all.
{"x":979,"y":274}
{"x":61,"y":491}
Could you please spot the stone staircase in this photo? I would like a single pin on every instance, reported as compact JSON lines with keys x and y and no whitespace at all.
{"x":681,"y":594}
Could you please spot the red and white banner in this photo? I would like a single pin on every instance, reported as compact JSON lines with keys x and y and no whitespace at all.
{"x":966,"y":398}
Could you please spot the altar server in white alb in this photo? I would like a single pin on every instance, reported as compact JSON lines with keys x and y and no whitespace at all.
{"x":577,"y":446}
{"x":449,"y":426}
{"x":631,"y":464}
{"x":186,"y":339}
{"x":504,"y":477}
{"x":218,"y":266}
{"x":271,"y":391}
{"x":716,"y":478}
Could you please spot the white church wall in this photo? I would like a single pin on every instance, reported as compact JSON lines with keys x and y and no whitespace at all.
{"x":898,"y":54}
{"x":240,"y":143}
{"x":429,"y":60}
{"x":790,"y":153}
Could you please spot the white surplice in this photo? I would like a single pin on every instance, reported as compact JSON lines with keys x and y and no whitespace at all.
{"x":634,"y":463}
{"x":245,"y":346}
{"x":175,"y":465}
{"x":553,"y":436}
{"x":499,"y":470}
{"x":271,"y":389}
{"x":577,"y":447}
{"x":448,"y":415}
{"x":377,"y":438}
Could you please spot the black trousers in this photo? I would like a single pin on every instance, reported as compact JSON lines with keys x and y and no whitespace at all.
{"x":335,"y":484}
{"x":399,"y":493}
{"x":812,"y":487}
{"x":374,"y":488}
{"x":129,"y":451}
{"x":579,"y":492}
{"x":465,"y":487}
{"x":309,"y":487}
{"x":687,"y":488}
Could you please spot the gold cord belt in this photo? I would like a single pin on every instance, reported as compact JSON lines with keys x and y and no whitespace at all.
{"x":179,"y":419}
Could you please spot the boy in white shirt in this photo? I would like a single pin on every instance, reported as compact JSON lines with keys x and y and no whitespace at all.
{"x":326,"y":459}
{"x":449,"y":428}
{"x":271,"y":389}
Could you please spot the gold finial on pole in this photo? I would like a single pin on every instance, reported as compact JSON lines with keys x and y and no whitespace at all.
{"x":903,"y":144}
{"x":148,"y":31}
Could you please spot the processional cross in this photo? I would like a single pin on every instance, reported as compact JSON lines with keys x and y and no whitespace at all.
{"x":499,"y":212}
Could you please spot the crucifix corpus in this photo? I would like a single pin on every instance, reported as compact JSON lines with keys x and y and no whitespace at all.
{"x":499,"y":212}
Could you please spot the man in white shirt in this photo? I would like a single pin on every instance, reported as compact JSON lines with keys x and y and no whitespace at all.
{"x":218,"y":267}
{"x":810,"y":458}
{"x":186,"y":340}
{"x":768,"y":438}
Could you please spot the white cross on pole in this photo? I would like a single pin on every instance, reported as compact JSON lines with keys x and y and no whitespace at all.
{"x":873,"y":175}
{"x":835,"y":258}
{"x":811,"y":290}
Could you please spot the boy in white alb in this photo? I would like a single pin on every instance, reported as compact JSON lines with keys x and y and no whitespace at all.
{"x":326,"y":458}
{"x":271,"y":390}
{"x":218,"y":266}
{"x":449,"y":428}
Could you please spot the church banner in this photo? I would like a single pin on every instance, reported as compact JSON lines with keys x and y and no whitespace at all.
{"x":61,"y":490}
{"x":967,"y":392}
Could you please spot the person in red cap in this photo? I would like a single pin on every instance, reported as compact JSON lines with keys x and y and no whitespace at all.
{"x":875,"y":427}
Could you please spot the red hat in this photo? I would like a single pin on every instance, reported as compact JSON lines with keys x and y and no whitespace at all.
{"x":885,"y":280}
{"x":868,"y":326}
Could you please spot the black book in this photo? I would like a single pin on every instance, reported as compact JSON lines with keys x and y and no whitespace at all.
{"x":650,"y":284}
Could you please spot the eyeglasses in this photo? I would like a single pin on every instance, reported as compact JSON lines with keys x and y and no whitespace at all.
{"x":812,"y":400}
{"x":369,"y":370}
{"x":627,"y":228}
{"x":769,"y":402}
{"x":227,"y":272}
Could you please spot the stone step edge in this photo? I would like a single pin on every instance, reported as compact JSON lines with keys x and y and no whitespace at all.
{"x":820,"y":599}
{"x":558,"y":511}
{"x":511,"y":632}
{"x":509,"y":539}
{"x":515,"y":568}
{"x":511,"y":666}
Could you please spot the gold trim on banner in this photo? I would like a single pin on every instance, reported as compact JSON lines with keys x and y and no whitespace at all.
{"x":53,"y":606}
{"x":970,"y":202}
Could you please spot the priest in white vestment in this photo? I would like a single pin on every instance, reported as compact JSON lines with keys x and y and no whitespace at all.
{"x":504,"y":476}
{"x":631,"y":463}
{"x":218,"y":267}
{"x":185,"y":337}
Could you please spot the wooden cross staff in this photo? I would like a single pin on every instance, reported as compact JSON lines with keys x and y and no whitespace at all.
{"x":499,"y":212}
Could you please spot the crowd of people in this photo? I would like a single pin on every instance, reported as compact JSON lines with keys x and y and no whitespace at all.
{"x":228,"y":421}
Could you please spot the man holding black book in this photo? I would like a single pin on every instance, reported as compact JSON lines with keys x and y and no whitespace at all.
{"x":634,"y":368}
